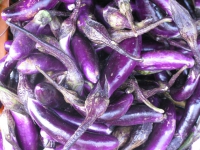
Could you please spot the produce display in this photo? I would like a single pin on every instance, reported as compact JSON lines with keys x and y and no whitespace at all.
{"x":100,"y":75}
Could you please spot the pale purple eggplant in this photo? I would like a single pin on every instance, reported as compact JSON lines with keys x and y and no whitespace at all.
{"x":119,"y":67}
{"x":7,"y":64}
{"x":137,"y":114}
{"x":76,"y":120}
{"x":55,"y":25}
{"x":1,"y":141}
{"x":26,"y":131}
{"x":163,"y":132}
{"x":122,"y":134}
{"x":25,"y":10}
{"x":86,"y":57}
{"x":188,"y":88}
{"x":164,"y":5}
{"x":9,"y":138}
{"x":45,"y":62}
{"x":138,"y":136}
{"x":164,"y":60}
{"x":7,"y":45}
{"x":19,"y":50}
{"x":49,"y":96}
{"x":46,"y":140}
{"x":61,"y":131}
{"x":67,"y":30}
{"x":189,"y":118}
{"x":74,"y":77}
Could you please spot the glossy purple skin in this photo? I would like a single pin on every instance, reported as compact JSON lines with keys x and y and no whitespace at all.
{"x":19,"y":50}
{"x":189,"y":118}
{"x":7,"y":64}
{"x":147,"y":10}
{"x":77,"y":120}
{"x":119,"y":67}
{"x":163,"y":132}
{"x":26,"y":9}
{"x":45,"y":62}
{"x":7,"y":45}
{"x":162,"y":76}
{"x":61,"y":131}
{"x":26,"y":131}
{"x":137,"y":114}
{"x":68,"y":1}
{"x":86,"y":57}
{"x":188,"y":88}
{"x":117,"y":108}
{"x":164,"y":60}
{"x":45,"y":135}
{"x":49,"y":96}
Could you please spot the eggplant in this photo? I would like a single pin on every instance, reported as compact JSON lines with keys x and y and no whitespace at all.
{"x":25,"y":10}
{"x":60,"y":131}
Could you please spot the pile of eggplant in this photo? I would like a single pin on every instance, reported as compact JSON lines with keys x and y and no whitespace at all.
{"x":101,"y":75}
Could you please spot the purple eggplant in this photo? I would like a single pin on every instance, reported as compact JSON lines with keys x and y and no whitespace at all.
{"x":138,"y":136}
{"x":137,"y":115}
{"x":163,"y":132}
{"x":67,"y":30}
{"x":119,"y":67}
{"x":77,"y":120}
{"x":74,"y":77}
{"x":189,"y":118}
{"x":7,"y":64}
{"x":7,"y":45}
{"x":46,"y":140}
{"x":49,"y":96}
{"x":186,"y":90}
{"x":9,"y":138}
{"x":25,"y":10}
{"x":61,"y":131}
{"x":86,"y":57}
{"x":1,"y":141}
{"x":96,"y":32}
{"x":164,"y":60}
{"x":26,"y":131}
{"x":36,"y":25}
{"x":45,"y":62}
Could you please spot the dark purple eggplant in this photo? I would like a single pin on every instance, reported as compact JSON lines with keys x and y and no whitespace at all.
{"x":45,"y":62}
{"x":119,"y":67}
{"x":7,"y":45}
{"x":77,"y":120}
{"x":163,"y":132}
{"x":138,"y":136}
{"x":60,"y":131}
{"x":122,"y":134}
{"x":26,"y":131}
{"x":9,"y":138}
{"x":137,"y":114}
{"x":186,"y":90}
{"x":25,"y":10}
{"x":49,"y":96}
{"x":86,"y":57}
{"x":164,"y":60}
{"x":191,"y":113}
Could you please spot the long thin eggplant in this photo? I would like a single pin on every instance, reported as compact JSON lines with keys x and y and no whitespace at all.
{"x":26,"y":9}
{"x":26,"y":131}
{"x":61,"y":131}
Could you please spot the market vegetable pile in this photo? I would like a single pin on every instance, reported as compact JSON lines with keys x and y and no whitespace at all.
{"x":101,"y":75}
